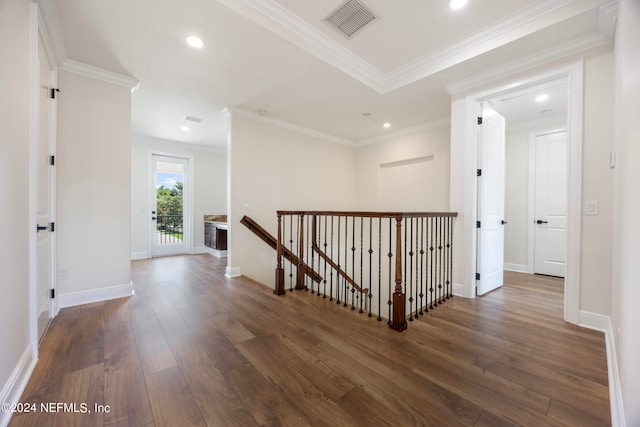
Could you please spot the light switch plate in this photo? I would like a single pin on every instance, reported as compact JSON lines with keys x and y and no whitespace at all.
{"x":591,"y":207}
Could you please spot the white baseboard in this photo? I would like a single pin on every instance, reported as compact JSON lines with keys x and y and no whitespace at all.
{"x":603,"y":323}
{"x":95,"y":295}
{"x":458,"y":290}
{"x":518,"y":268}
{"x":232,"y":272}
{"x":139,"y":255}
{"x":615,"y":389}
{"x":12,"y":390}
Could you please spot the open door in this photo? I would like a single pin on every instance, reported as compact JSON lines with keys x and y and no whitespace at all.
{"x":491,"y":195}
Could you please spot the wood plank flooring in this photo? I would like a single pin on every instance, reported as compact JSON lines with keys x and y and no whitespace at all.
{"x":195,"y":348}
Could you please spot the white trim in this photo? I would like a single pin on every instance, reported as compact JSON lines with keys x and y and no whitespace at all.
{"x":139,"y":255}
{"x":232,"y":272}
{"x":100,"y":74}
{"x":282,"y":124}
{"x":607,"y":18}
{"x":281,"y":21}
{"x":574,"y":73}
{"x":518,"y":268}
{"x":406,"y":131}
{"x":15,"y":385}
{"x":72,"y":299}
{"x":457,"y":289}
{"x":604,"y":324}
{"x":595,"y":321}
{"x":53,"y":29}
{"x":615,"y":388}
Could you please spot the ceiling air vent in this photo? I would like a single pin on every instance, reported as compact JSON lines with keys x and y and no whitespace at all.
{"x":193,"y":119}
{"x":350,"y":17}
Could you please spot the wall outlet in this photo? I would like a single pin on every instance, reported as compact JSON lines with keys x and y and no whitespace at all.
{"x":63,"y":274}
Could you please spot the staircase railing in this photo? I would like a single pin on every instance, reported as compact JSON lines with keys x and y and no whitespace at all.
{"x":366,"y":260}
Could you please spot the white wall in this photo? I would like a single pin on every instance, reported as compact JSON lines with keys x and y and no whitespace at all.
{"x":275,"y":169}
{"x":209,"y":171}
{"x":626,"y":240}
{"x":597,"y":185}
{"x":14,"y":204}
{"x":516,"y":200}
{"x":93,"y":186}
{"x":400,"y":158}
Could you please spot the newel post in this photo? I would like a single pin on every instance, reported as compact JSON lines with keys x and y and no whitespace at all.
{"x":279,"y":289}
{"x":300,"y":278}
{"x":398,"y":321}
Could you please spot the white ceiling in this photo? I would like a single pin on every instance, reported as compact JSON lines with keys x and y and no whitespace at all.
{"x":282,"y":58}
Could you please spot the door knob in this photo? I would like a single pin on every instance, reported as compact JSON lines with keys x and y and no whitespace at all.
{"x":503,"y":222}
{"x":539,"y":221}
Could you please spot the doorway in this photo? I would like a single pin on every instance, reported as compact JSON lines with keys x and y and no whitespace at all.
{"x":465,"y":110}
{"x":43,"y":186}
{"x":170,"y":205}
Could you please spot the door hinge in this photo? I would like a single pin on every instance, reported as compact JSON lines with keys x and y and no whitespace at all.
{"x":53,"y":92}
{"x":477,"y":276}
{"x":53,"y":293}
{"x":479,"y":120}
{"x":52,"y":160}
{"x":52,"y":226}
{"x":478,"y":224}
{"x":479,"y":172}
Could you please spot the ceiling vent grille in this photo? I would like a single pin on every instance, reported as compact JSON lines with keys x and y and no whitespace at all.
{"x":350,"y":17}
{"x":193,"y":119}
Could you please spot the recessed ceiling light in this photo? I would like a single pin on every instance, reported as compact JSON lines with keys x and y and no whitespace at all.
{"x":387,"y":125}
{"x":457,"y":4}
{"x":196,"y":42}
{"x":184,"y":128}
{"x":542,"y":98}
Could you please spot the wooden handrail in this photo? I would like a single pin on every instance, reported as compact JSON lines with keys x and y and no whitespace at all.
{"x":266,"y":237}
{"x":372,"y":214}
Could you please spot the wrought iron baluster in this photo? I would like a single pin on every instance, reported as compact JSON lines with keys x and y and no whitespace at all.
{"x":338,"y":265}
{"x":422,"y":305}
{"x":324,"y":275}
{"x":353,"y":260}
{"x":331,"y":271}
{"x":370,"y":293}
{"x":379,"y":269}
{"x":431,"y":248}
{"x":409,"y":273}
{"x":390,"y":255}
{"x":361,"y":260}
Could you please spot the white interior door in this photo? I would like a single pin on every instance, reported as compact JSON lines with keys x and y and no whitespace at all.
{"x":491,"y":196}
{"x":45,"y":243}
{"x":170,"y":224}
{"x":550,"y":235}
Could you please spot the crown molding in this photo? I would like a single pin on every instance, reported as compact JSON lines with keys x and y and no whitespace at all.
{"x":406,"y":131}
{"x":49,"y":23}
{"x":282,"y":124}
{"x":100,"y":74}
{"x":276,"y":18}
{"x":607,"y":17}
{"x":281,"y":21}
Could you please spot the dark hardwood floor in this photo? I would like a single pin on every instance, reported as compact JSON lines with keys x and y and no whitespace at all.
{"x":195,"y":348}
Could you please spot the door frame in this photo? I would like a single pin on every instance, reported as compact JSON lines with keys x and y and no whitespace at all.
{"x":39,"y":30}
{"x":574,"y":73}
{"x":188,"y":193}
{"x":531,"y":188}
